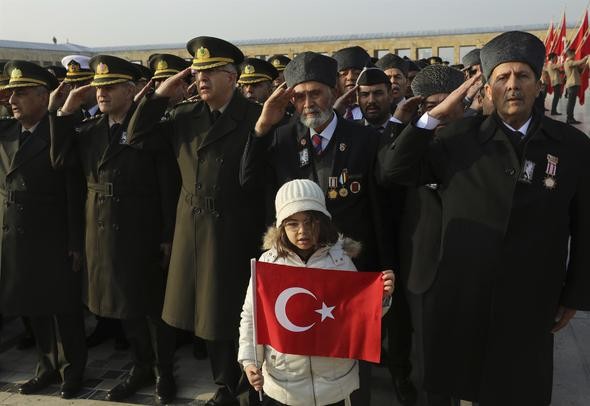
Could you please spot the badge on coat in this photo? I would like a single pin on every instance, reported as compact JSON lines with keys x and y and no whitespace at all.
{"x":303,"y":157}
{"x":551,"y":171}
{"x":123,"y":139}
{"x":527,"y":172}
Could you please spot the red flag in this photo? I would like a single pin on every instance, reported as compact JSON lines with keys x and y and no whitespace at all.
{"x":560,"y":39}
{"x":321,"y":312}
{"x":549,"y":39}
{"x":582,"y":50}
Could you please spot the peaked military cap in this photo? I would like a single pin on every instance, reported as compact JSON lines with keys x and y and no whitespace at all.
{"x":144,"y":72}
{"x":352,"y":58}
{"x":389,"y":61}
{"x":513,"y":46}
{"x":255,"y":70}
{"x":78,"y":68}
{"x":58,"y":71}
{"x":3,"y":77}
{"x":311,"y":66}
{"x":435,"y":79}
{"x":110,"y":70}
{"x":166,"y":65}
{"x":372,"y":76}
{"x":279,"y":62}
{"x":211,"y":52}
{"x":27,"y":74}
{"x":471,"y":58}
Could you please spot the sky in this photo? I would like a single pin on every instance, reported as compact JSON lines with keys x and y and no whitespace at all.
{"x":140,"y":22}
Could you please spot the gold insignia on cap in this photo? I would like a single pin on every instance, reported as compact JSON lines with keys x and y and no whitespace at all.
{"x":16,"y":74}
{"x":102,"y":69}
{"x":73,"y":67}
{"x":249,"y":69}
{"x":161,"y":65}
{"x":203,"y":53}
{"x":276,"y":63}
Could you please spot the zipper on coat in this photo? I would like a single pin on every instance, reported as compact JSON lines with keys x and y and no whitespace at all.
{"x":315,"y":402}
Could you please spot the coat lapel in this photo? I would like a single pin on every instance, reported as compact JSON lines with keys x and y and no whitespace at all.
{"x":341,"y":148}
{"x":36,"y":143}
{"x":114,"y":146}
{"x":227,"y":122}
{"x":9,"y":147}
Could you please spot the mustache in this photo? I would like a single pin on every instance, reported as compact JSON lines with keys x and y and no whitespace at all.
{"x":515,"y":94}
{"x":311,"y":110}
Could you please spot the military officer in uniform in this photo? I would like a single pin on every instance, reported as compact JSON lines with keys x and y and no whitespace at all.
{"x":131,"y":194}
{"x":4,"y":94}
{"x":256,"y":79}
{"x":334,"y":152}
{"x":79,"y":74}
{"x":218,"y":224}
{"x":165,"y":66}
{"x":513,"y":183}
{"x":279,"y":62}
{"x":42,"y":225}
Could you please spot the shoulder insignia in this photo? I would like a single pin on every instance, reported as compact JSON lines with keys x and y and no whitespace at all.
{"x":7,"y":118}
{"x":187,"y":101}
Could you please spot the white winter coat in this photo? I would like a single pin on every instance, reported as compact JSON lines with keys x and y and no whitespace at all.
{"x":299,"y":379}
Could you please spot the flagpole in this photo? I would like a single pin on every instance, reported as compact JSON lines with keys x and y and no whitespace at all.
{"x":253,"y":276}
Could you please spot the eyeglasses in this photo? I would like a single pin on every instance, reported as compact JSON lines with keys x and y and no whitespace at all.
{"x":294,"y":225}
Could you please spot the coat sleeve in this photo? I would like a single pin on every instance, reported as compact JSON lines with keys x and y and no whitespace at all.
{"x":577,"y":284}
{"x":62,"y":133}
{"x":169,"y":185}
{"x":255,"y":162}
{"x":146,"y":118}
{"x":75,"y":195}
{"x":415,"y":158}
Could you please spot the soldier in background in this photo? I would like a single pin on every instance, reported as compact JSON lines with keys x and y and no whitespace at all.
{"x":131,"y":196}
{"x":41,"y":234}
{"x":256,"y":79}
{"x":279,"y":62}
{"x":350,"y":62}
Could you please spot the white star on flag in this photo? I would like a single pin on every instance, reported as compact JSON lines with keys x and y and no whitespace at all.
{"x":326,"y":311}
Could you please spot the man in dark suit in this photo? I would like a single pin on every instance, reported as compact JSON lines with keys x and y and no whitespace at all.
{"x":334,"y":152}
{"x":218,"y":223}
{"x":374,"y":95}
{"x":131,"y":196}
{"x":513,"y":257}
{"x":42,"y":227}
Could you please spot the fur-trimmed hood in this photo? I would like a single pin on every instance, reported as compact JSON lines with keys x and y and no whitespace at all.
{"x":350,"y":247}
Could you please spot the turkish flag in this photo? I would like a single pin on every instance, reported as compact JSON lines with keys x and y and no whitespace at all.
{"x":309,"y":311}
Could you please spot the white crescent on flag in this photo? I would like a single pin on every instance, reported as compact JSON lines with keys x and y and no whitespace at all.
{"x":281,"y":309}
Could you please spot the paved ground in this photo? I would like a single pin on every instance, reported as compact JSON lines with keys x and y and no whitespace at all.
{"x":106,"y":366}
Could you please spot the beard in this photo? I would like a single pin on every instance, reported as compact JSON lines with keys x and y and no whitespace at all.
{"x":319,"y":117}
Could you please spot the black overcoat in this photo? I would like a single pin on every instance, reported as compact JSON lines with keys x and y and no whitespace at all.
{"x":503,"y":268}
{"x":219,"y":225}
{"x":42,"y":221}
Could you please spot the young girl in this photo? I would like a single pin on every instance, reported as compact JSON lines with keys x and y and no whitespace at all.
{"x":303,"y":236}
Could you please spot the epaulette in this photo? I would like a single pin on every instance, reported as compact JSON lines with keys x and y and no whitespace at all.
{"x":6,"y":118}
{"x":187,"y":101}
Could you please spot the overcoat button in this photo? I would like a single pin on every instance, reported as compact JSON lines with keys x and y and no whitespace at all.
{"x":197,"y":210}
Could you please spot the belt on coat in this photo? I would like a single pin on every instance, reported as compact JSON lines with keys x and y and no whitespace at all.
{"x":199,"y":201}
{"x":20,"y":196}
{"x":109,"y":189}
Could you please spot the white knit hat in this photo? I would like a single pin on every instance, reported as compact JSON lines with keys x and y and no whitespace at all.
{"x":299,"y":195}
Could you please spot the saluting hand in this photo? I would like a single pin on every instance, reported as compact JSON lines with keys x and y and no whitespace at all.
{"x":345,"y":100}
{"x":449,"y":105}
{"x":76,"y":99}
{"x":406,"y":111}
{"x":58,"y":96}
{"x":274,"y":109}
{"x":170,"y":87}
{"x":563,"y":317}
{"x":255,"y":377}
{"x":143,"y":91}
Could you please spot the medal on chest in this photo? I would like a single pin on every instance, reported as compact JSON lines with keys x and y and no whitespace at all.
{"x":332,"y":185}
{"x":343,"y":179}
{"x":550,"y":181}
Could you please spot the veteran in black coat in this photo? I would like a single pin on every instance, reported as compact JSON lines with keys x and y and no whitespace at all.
{"x":515,"y":227}
{"x":42,"y":223}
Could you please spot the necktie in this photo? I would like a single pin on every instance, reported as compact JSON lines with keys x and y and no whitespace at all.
{"x":24,"y":135}
{"x":316,"y":140}
{"x":215,"y":115}
{"x":348,"y":114}
{"x":86,"y":114}
{"x":114,"y":131}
